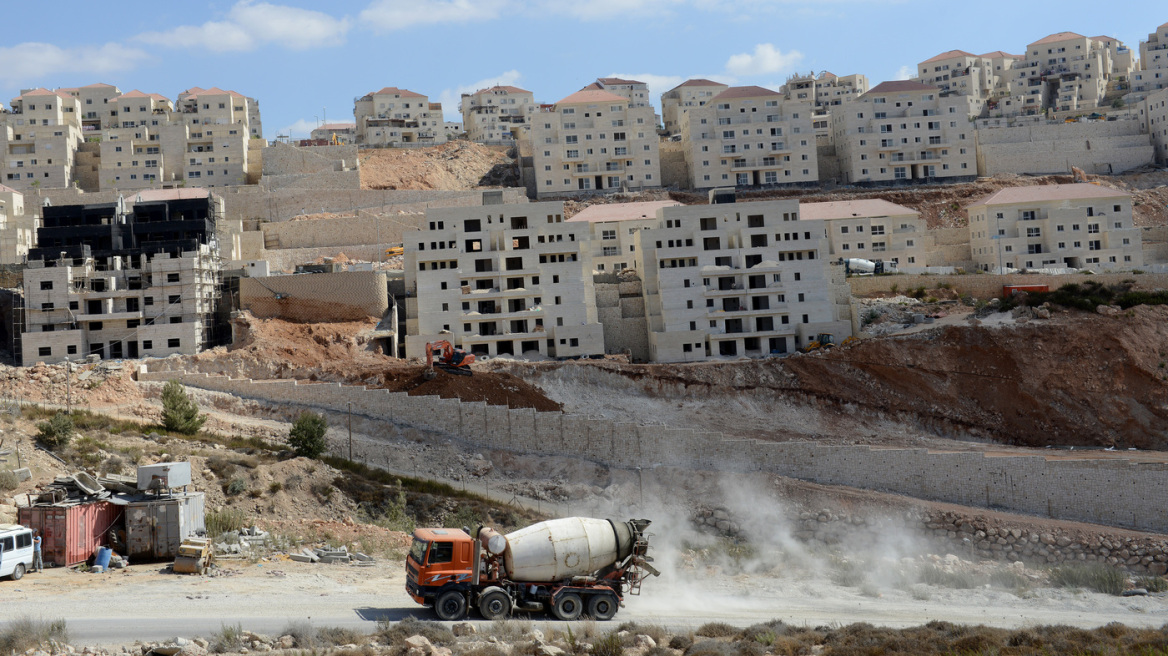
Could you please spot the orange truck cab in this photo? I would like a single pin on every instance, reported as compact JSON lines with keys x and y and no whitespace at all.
{"x":439,"y":559}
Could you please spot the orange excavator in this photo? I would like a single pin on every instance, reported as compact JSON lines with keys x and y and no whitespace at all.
{"x":444,"y":356}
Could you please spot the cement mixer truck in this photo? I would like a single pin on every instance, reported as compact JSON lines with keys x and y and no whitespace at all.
{"x":572,"y":567}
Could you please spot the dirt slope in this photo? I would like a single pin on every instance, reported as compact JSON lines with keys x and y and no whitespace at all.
{"x":454,"y":165}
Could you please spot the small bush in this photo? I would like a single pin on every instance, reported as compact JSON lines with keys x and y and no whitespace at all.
{"x":229,"y":638}
{"x":8,"y":481}
{"x":608,"y":645}
{"x":302,"y":633}
{"x":324,"y":492}
{"x":337,"y":635}
{"x":396,"y":632}
{"x":112,"y":465}
{"x":1152,"y":583}
{"x":716,"y":630}
{"x":1097,"y":577}
{"x":275,"y":487}
{"x":237,"y":486}
{"x":179,"y":413}
{"x":223,"y":521}
{"x":680,"y":642}
{"x":893,"y":288}
{"x":709,"y":648}
{"x":57,"y":431}
{"x":510,"y":629}
{"x":307,"y":435}
{"x":25,"y":633}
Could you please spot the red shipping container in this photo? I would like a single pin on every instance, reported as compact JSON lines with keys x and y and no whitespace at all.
{"x":1010,"y":289}
{"x":71,"y":533}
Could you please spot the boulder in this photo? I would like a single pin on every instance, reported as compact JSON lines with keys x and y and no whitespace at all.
{"x":463,"y":629}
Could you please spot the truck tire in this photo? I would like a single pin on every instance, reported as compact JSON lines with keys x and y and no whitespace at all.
{"x":568,"y":607}
{"x":602,"y":607}
{"x":450,"y":606}
{"x":495,"y":604}
{"x":18,"y":573}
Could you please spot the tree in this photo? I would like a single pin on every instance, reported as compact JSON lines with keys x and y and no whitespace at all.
{"x":57,"y":431}
{"x":179,"y":412}
{"x":307,"y":435}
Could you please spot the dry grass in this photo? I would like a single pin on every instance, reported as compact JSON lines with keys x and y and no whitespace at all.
{"x":25,"y":633}
{"x":716,"y":630}
{"x":393,"y":633}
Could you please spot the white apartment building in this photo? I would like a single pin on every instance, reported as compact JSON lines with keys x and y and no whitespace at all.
{"x":984,"y":78}
{"x":1152,"y":73}
{"x":119,"y":308}
{"x":1154,"y":115}
{"x":749,"y":137}
{"x":39,"y":136}
{"x":502,"y":279}
{"x":594,"y":140}
{"x":738,"y":280}
{"x":871,"y":229}
{"x":691,"y":93}
{"x":17,"y":229}
{"x":1081,"y":226}
{"x":96,"y":112}
{"x":219,"y":129}
{"x":397,"y":117}
{"x":494,"y":114}
{"x":613,"y":228}
{"x":904,"y":132}
{"x":824,"y":91}
{"x":1062,"y":72}
{"x":344,"y":133}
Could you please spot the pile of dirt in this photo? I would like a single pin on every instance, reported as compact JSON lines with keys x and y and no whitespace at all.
{"x":89,"y":385}
{"x":455,"y":165}
{"x":489,"y":387}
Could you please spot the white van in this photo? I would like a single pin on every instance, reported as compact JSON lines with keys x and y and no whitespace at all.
{"x":15,"y":550}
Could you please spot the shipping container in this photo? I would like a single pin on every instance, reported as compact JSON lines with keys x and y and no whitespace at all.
{"x":156,"y":526}
{"x":72,"y":532}
{"x":1007,"y":290}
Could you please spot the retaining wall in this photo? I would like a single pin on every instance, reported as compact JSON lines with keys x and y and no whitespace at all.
{"x":1112,"y":492}
{"x":348,"y":296}
{"x":987,"y":286}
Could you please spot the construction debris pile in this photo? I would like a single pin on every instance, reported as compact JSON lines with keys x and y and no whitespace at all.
{"x":455,"y":165}
{"x":330,"y":556}
{"x":883,"y":316}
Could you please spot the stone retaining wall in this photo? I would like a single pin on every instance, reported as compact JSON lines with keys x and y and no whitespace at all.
{"x":1106,"y":491}
{"x":987,"y":286}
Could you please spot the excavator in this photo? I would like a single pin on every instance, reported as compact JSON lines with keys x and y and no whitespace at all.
{"x":823,"y":342}
{"x":450,"y":359}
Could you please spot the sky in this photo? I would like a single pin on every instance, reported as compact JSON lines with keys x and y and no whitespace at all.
{"x":306,"y":62}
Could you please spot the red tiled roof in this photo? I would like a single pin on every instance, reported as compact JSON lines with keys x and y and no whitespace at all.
{"x":39,"y":91}
{"x":216,"y":91}
{"x":7,"y":190}
{"x":134,"y":94}
{"x":744,"y":92}
{"x":999,"y":53}
{"x":594,"y":85}
{"x":850,"y":209}
{"x":827,"y":75}
{"x":503,"y":88}
{"x":951,"y":54}
{"x":616,"y":80}
{"x":899,"y":86}
{"x":699,"y":82}
{"x":1042,"y":193}
{"x":404,"y":93}
{"x":98,"y":84}
{"x":587,"y":95}
{"x":605,"y":212}
{"x":1104,"y":38}
{"x":1058,"y":36}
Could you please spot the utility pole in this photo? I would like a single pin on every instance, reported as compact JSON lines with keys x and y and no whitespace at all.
{"x":68,"y":387}
{"x":350,"y":431}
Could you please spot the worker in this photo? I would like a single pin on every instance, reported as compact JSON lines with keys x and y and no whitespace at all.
{"x":37,"y":563}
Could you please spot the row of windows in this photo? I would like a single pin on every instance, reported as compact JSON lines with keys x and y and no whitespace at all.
{"x":71,"y":349}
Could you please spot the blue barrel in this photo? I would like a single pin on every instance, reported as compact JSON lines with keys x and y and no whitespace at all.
{"x":103,"y":557}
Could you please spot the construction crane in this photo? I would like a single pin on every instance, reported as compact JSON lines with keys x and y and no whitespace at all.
{"x":449,"y":359}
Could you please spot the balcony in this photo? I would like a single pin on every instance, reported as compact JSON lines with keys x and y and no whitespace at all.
{"x":499,"y":293}
{"x":110,"y":316}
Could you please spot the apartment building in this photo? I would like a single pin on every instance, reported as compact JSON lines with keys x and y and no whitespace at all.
{"x":1152,"y":73}
{"x":591,"y":141}
{"x":983,"y":78}
{"x":494,"y":114}
{"x":344,"y":133}
{"x":678,"y":100}
{"x":1081,"y":226}
{"x":39,"y":136}
{"x":96,"y":112}
{"x":124,"y":283}
{"x":613,"y":229}
{"x":1154,"y":115}
{"x":824,"y":91}
{"x":905,"y":132}
{"x":749,"y":137}
{"x":219,"y":128}
{"x":502,"y":280}
{"x":396,"y":117}
{"x":871,"y":229}
{"x":1062,"y":72}
{"x":738,"y":280}
{"x":17,"y":229}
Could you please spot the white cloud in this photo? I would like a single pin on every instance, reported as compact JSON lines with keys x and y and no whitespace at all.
{"x":451,"y":97}
{"x":906,"y":72}
{"x":32,"y":61}
{"x":300,"y":129}
{"x":250,"y":24}
{"x":606,"y":9}
{"x":765,"y":60}
{"x":386,"y":15}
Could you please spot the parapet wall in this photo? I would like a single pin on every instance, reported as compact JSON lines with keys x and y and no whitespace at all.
{"x":1104,"y":147}
{"x":1106,"y":491}
{"x":985,"y":286}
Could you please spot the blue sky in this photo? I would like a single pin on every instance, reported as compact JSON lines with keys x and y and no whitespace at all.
{"x":305,"y":60}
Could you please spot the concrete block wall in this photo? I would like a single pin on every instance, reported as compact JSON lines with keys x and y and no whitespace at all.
{"x":1102,"y":147}
{"x":343,"y":231}
{"x":284,"y":159}
{"x":1109,"y":492}
{"x":985,"y":286}
{"x":348,"y":296}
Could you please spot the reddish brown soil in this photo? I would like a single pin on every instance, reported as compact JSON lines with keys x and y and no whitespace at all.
{"x":490,"y":387}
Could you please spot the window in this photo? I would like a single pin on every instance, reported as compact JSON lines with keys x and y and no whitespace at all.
{"x":172,"y":277}
{"x":46,"y":284}
{"x":173,"y":342}
{"x":45,"y":351}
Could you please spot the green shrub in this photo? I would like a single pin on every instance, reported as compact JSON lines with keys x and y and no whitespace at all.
{"x":275,"y":487}
{"x":57,"y":431}
{"x":716,"y":630}
{"x":223,"y":521}
{"x":307,"y":435}
{"x":238,"y":485}
{"x":1097,"y":577}
{"x":179,"y":412}
{"x":229,"y":638}
{"x":609,"y":645}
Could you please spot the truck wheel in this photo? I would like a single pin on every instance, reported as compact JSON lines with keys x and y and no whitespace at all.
{"x":494,"y":605}
{"x":450,"y":606}
{"x":602,"y":607}
{"x":18,"y":573}
{"x":568,"y":607}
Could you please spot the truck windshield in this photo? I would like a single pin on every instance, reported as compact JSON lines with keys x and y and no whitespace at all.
{"x":418,"y":550}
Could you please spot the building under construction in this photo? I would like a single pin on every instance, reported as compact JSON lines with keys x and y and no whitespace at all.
{"x":127,"y":279}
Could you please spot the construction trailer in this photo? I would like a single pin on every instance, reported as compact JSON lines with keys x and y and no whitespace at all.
{"x":72,"y":530}
{"x":155,"y":526}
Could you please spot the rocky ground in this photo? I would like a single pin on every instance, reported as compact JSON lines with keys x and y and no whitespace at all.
{"x":452,"y":166}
